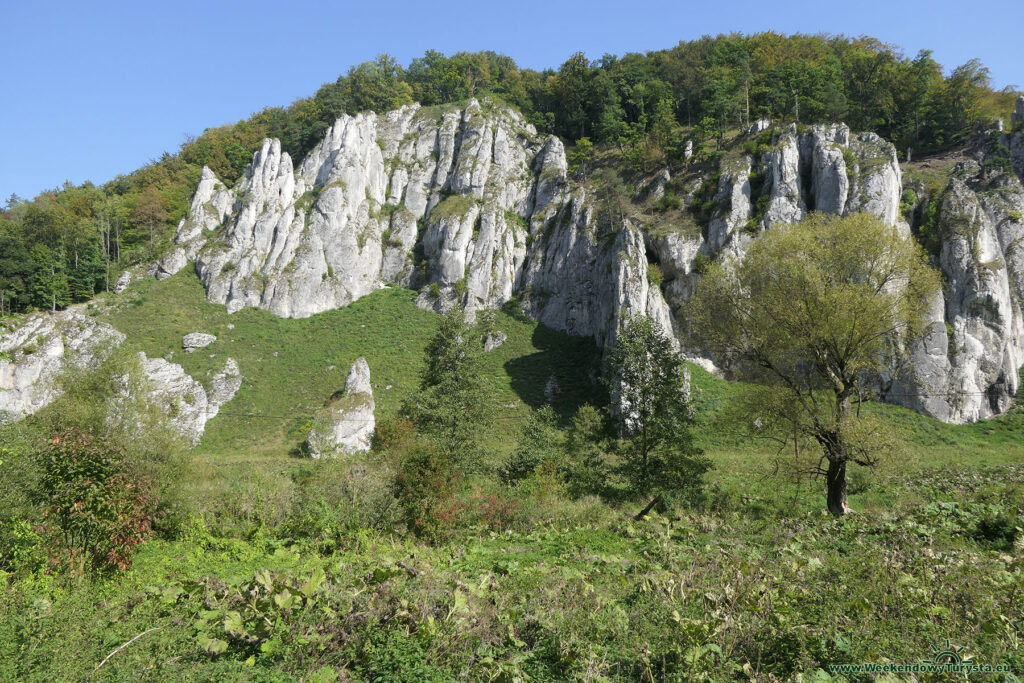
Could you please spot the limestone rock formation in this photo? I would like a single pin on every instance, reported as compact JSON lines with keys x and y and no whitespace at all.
{"x":347,"y":423}
{"x":493,"y":340}
{"x":223,"y":387}
{"x":474,"y":208}
{"x":180,"y":396}
{"x":33,"y":355}
{"x":211,"y":204}
{"x":196,"y":340}
{"x":124,"y":280}
{"x":1017,"y":117}
{"x":967,"y":366}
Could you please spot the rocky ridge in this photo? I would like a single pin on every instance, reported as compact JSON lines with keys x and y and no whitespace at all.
{"x":475,"y":208}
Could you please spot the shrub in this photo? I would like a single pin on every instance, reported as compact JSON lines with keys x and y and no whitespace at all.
{"x":336,"y":496}
{"x":424,"y":483}
{"x":535,"y":447}
{"x":701,"y":262}
{"x":908,"y":201}
{"x":585,"y":469}
{"x":96,"y":501}
{"x":1014,"y":216}
{"x":668,"y":202}
{"x":426,"y":492}
{"x":861,"y":480}
{"x":654,"y":275}
{"x":998,"y":530}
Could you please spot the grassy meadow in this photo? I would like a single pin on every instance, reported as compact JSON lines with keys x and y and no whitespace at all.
{"x":282,"y":569}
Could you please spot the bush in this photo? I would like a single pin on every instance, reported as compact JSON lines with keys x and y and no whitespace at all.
{"x":908,"y":200}
{"x":998,"y":530}
{"x":97,"y":503}
{"x":334,"y":497}
{"x":655,"y":276}
{"x":668,"y":202}
{"x":535,"y":447}
{"x":424,"y":483}
{"x":585,"y":469}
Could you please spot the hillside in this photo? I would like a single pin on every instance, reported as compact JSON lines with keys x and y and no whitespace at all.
{"x":529,"y":583}
{"x":565,"y":480}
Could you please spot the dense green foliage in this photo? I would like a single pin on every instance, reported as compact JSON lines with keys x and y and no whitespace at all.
{"x":814,"y":311}
{"x":98,"y":504}
{"x":68,"y":243}
{"x":451,"y":405}
{"x":652,"y":413}
{"x":394,"y":565}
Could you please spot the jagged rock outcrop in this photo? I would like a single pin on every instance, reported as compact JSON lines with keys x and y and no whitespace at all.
{"x":178,"y":395}
{"x":966,"y":368}
{"x":124,"y":280}
{"x":196,"y":340}
{"x":784,"y":181}
{"x":475,"y":208}
{"x":306,"y":240}
{"x":493,"y":340}
{"x":347,"y":423}
{"x":211,"y":204}
{"x":35,"y":354}
{"x":437,"y":196}
{"x":1017,"y":117}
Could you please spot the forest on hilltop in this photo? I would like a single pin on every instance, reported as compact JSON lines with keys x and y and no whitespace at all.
{"x":67,"y":244}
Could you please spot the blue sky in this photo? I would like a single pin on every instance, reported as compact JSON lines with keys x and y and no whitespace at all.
{"x":90,"y":90}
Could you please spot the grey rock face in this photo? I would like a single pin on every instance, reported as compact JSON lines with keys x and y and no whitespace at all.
{"x":829,"y":181}
{"x":348,"y":422}
{"x":735,"y":209}
{"x":759,"y":126}
{"x":470,"y":187}
{"x":40,"y":348}
{"x":493,"y":341}
{"x":180,"y":396}
{"x":475,"y":204}
{"x":1017,"y":118}
{"x":783,"y":176}
{"x":966,"y":368}
{"x":346,"y":220}
{"x":879,"y":182}
{"x":654,"y":189}
{"x":196,"y":340}
{"x":211,"y":204}
{"x":124,"y":280}
{"x":223,"y":387}
{"x":44,"y":345}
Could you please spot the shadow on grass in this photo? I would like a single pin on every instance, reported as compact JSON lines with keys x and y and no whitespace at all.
{"x":565,"y":372}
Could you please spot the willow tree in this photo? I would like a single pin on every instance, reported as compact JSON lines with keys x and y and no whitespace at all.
{"x":810,"y":313}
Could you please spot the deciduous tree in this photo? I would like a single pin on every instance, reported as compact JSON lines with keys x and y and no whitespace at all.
{"x":811,"y":311}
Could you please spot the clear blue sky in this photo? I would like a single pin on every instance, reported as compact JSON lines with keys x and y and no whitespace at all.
{"x":90,"y":90}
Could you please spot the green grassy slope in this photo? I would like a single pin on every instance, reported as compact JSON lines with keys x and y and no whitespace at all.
{"x":248,"y":455}
{"x":291,"y":366}
{"x":760,"y":584}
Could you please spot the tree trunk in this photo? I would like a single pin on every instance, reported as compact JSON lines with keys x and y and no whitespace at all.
{"x":836,"y":481}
